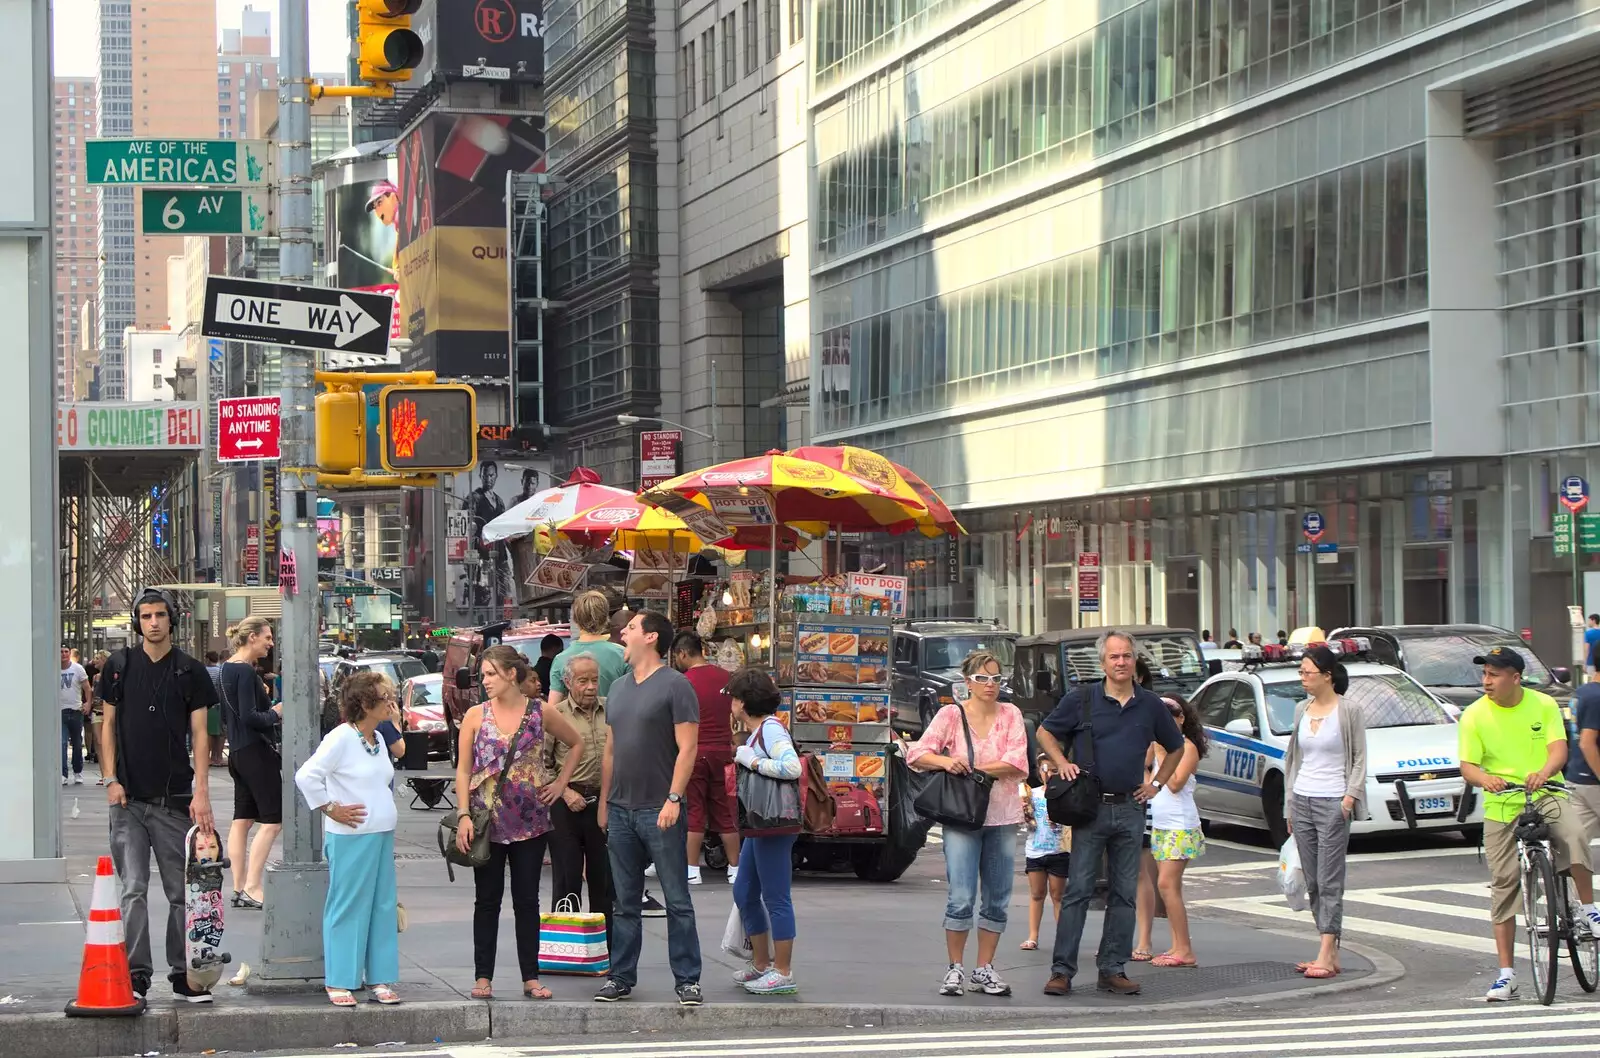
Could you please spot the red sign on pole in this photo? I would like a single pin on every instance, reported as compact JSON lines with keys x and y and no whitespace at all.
{"x":658,"y":456}
{"x":247,"y":429}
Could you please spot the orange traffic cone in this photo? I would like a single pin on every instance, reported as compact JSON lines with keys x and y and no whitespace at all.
{"x":105,"y":987}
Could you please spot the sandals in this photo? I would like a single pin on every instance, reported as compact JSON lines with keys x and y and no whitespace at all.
{"x":236,"y":895}
{"x":248,"y":902}
{"x":1172,"y":961}
{"x":341,"y":997}
{"x":484,"y":991}
{"x":1140,"y":955}
{"x":537,"y":992}
{"x":1319,"y":973}
{"x":383,"y":994}
{"x":1029,"y":945}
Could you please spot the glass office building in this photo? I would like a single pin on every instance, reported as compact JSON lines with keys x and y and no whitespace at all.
{"x":1151,"y":280}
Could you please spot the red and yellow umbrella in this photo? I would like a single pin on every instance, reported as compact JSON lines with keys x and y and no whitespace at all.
{"x":633,"y":525}
{"x":779,"y":488}
{"x":935,"y":519}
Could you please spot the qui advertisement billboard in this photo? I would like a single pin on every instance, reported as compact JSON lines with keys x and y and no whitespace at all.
{"x":461,"y":37}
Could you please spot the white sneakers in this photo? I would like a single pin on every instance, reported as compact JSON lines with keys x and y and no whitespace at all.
{"x":733,"y":872}
{"x":1503,"y":989}
{"x":694,"y":873}
{"x":694,"y":876}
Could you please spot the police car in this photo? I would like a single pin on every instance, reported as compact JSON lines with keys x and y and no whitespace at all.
{"x":1413,"y":774}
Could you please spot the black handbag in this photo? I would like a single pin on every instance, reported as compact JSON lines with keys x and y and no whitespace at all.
{"x":960,"y":801}
{"x":477,"y":854}
{"x":1076,"y":802}
{"x":766,"y":805}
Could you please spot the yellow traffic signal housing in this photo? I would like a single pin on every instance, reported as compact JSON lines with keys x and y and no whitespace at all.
{"x":341,"y":431}
{"x":428,"y":429}
{"x":386,"y":48}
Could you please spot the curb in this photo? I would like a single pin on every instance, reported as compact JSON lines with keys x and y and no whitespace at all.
{"x":250,"y":1029}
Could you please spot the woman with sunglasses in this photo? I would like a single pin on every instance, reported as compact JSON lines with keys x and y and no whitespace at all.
{"x":1175,"y":837}
{"x":985,"y":857}
{"x":1325,"y":765}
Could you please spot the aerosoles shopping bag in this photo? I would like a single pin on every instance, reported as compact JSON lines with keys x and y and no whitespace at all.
{"x":573,"y":942}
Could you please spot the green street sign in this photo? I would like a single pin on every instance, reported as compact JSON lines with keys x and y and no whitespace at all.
{"x":218,"y":163}
{"x":191,"y":211}
{"x":1561,"y":532}
{"x":1589,"y":532}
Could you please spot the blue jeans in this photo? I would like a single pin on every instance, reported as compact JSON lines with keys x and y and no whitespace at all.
{"x":633,"y":841}
{"x":974,"y":859}
{"x":762,"y":888}
{"x":1115,"y":836}
{"x":72,"y":734}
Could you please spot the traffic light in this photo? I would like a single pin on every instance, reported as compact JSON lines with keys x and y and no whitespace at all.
{"x":341,"y":431}
{"x":386,"y":48}
{"x":428,"y":429}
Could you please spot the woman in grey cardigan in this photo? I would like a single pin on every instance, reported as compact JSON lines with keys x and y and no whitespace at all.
{"x":1326,"y":764}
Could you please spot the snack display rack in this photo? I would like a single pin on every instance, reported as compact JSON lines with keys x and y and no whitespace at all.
{"x":833,"y":675}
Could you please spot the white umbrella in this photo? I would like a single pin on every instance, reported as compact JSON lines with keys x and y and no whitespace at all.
{"x":579,"y":493}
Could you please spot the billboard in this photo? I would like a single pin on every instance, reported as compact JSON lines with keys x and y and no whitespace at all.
{"x":122,"y":425}
{"x":363,"y":235}
{"x":330,"y":537}
{"x":499,"y":34}
{"x":480,"y":575}
{"x":454,"y":273}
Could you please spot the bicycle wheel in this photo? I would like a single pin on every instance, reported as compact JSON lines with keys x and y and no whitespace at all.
{"x":1542,"y":916}
{"x":1582,"y":946}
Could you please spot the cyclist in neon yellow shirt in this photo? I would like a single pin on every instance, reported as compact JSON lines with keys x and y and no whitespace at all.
{"x":1514,"y":734}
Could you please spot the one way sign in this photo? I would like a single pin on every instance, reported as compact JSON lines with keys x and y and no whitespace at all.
{"x":249,"y":310}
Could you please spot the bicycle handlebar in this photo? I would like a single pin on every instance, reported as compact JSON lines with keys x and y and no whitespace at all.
{"x":1517,"y":787}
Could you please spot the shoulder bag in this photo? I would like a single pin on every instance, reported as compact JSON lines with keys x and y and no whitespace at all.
{"x":766,"y":805}
{"x":960,"y":801}
{"x":1076,"y":802}
{"x":477,"y":854}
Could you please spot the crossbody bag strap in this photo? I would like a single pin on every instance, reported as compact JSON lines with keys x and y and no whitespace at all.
{"x":1087,"y":761}
{"x":966,"y":728}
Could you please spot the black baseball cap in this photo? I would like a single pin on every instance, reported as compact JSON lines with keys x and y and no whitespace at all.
{"x":1501,"y":658}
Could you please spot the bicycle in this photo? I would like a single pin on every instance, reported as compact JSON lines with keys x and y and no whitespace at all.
{"x":1539,"y":885}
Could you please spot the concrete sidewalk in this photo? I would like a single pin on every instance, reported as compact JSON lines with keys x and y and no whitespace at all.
{"x":867,"y":954}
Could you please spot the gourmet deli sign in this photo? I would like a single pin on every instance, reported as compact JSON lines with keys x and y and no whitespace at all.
{"x":107,"y":426}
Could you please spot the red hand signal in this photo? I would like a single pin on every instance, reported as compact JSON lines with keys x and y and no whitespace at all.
{"x":406,"y":429}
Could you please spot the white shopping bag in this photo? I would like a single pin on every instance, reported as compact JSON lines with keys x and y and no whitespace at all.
{"x":1291,"y":879}
{"x":734,"y":942}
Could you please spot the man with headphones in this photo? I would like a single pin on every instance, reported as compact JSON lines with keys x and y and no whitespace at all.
{"x":156,"y":698}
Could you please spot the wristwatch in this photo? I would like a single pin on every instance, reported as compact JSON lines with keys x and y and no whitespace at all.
{"x":675,"y":798}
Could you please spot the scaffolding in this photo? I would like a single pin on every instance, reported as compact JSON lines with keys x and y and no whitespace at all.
{"x":127,"y":522}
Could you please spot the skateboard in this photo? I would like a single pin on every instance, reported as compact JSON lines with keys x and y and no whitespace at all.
{"x":202,"y":908}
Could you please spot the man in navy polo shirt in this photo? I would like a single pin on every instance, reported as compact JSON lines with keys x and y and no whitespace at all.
{"x":1123,"y":719}
{"x":1583,"y":761}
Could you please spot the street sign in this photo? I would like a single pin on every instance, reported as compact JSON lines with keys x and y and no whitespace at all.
{"x":1574,"y":493}
{"x":1089,"y":582}
{"x":199,"y":211}
{"x":250,"y":310}
{"x":658,"y":456}
{"x":217,"y":163}
{"x":247,"y":429}
{"x":1589,"y":532}
{"x":1312,"y":525}
{"x":1319,"y":548}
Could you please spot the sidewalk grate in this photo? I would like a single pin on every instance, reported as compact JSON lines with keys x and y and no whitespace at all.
{"x":1181,"y":984}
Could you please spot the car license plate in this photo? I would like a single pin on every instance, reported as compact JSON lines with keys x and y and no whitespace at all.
{"x":1435,"y":806}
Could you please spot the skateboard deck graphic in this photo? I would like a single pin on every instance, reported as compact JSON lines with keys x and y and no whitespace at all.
{"x":202,"y":908}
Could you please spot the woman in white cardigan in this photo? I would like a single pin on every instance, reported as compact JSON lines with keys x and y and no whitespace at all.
{"x":348,"y":780}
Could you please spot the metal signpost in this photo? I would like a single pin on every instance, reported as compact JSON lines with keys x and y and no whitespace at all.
{"x":1574,"y":496}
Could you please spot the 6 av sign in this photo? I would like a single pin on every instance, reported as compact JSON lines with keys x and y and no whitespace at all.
{"x":249,"y":310}
{"x":196,"y":211}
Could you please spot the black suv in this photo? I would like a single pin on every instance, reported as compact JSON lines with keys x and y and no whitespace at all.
{"x":1440,"y":658}
{"x":926,"y":664}
{"x":1051,"y":663}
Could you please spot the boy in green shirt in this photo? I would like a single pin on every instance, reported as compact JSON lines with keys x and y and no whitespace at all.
{"x":1516,"y":735}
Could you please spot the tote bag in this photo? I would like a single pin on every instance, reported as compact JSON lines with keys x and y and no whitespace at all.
{"x":960,"y":801}
{"x":573,"y":942}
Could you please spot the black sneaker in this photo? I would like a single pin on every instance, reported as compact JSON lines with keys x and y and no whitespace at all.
{"x":612,"y":991}
{"x":652,"y":908}
{"x":689,"y":995}
{"x":141,"y":985}
{"x":181,"y":989}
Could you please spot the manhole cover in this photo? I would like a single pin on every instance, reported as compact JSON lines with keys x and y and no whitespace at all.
{"x":1178,"y":984}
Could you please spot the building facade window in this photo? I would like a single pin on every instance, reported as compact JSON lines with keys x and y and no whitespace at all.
{"x":686,"y":89}
{"x":773,"y":21}
{"x":611,"y":356}
{"x":797,"y":21}
{"x":604,"y":222}
{"x":730,"y":51}
{"x":708,"y":65}
{"x":751,"y":38}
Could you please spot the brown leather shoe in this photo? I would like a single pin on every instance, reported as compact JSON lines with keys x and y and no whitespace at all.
{"x":1118,"y":984}
{"x":1057,"y":986}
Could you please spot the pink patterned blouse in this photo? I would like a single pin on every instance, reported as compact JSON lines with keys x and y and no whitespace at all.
{"x":1007,"y":741}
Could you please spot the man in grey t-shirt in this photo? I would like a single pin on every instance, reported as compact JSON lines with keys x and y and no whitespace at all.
{"x":652,"y":735}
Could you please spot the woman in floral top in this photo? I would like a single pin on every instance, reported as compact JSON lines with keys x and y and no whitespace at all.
{"x":509,"y":722}
{"x":984,"y":857}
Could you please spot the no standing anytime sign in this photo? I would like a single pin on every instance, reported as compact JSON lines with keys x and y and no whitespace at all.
{"x":247,"y":429}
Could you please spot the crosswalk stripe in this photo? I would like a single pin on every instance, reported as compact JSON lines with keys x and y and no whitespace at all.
{"x":1272,"y":906}
{"x":1275,"y":1036}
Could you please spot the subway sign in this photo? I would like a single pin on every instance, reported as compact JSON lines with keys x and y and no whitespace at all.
{"x":123,"y":426}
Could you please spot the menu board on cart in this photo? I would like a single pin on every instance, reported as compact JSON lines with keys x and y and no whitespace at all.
{"x":840,"y":652}
{"x":835,"y":716}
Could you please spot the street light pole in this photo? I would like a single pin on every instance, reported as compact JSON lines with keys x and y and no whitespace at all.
{"x":296,"y":888}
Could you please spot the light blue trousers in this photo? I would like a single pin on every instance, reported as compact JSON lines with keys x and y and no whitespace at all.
{"x":360,"y":925}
